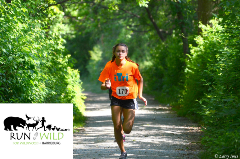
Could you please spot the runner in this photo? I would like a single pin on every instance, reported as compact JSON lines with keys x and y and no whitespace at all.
{"x":120,"y":74}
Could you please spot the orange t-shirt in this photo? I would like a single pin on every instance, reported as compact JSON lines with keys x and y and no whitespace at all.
{"x":123,"y":79}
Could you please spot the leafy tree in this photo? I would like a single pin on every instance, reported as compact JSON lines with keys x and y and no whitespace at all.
{"x":212,"y":86}
{"x":34,"y":65}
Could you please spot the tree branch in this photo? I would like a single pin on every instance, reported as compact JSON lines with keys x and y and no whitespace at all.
{"x":135,"y":15}
{"x":138,"y":31}
{"x":155,"y":24}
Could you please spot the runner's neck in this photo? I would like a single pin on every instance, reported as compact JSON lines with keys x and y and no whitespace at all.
{"x":120,"y":62}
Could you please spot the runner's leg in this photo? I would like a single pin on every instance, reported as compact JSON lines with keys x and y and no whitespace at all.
{"x":116,"y":118}
{"x":129,"y":116}
{"x":122,"y":121}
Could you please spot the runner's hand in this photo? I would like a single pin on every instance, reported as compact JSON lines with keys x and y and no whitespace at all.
{"x":108,"y":83}
{"x":144,"y":100}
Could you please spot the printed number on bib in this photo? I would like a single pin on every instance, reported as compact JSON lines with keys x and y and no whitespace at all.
{"x":122,"y":91}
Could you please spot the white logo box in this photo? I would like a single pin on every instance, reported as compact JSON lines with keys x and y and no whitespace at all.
{"x":55,"y":142}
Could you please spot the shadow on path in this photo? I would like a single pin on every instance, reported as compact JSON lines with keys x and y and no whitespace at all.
{"x":157,"y":133}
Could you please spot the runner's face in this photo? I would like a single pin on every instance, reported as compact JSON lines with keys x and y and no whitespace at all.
{"x":120,"y":52}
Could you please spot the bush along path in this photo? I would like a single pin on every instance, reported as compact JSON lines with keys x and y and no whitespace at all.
{"x":157,"y":133}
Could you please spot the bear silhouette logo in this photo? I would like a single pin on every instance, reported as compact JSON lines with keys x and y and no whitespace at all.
{"x":14,"y":122}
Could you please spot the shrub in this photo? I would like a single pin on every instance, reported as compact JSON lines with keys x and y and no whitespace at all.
{"x":34,"y":67}
{"x":212,"y":88}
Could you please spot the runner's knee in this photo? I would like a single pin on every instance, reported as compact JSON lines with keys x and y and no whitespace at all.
{"x":127,"y":130}
{"x":117,"y":127}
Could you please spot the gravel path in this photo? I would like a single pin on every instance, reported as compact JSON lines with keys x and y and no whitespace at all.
{"x":157,"y":133}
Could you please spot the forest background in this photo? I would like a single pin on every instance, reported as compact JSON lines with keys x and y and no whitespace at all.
{"x":188,"y":52}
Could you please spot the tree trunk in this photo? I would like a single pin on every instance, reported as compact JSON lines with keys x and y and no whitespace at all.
{"x":204,"y":12}
{"x":183,"y":28}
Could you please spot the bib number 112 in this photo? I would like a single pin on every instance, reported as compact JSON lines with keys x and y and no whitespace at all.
{"x":122,"y":91}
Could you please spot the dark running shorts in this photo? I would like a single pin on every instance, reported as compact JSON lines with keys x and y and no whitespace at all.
{"x":127,"y":104}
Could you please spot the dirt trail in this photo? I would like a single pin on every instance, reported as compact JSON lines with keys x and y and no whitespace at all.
{"x":157,"y":133}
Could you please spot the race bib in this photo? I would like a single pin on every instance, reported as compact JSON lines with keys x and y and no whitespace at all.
{"x":122,"y":91}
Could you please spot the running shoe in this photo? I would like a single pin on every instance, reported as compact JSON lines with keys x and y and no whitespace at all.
{"x":123,"y":155}
{"x":123,"y":138}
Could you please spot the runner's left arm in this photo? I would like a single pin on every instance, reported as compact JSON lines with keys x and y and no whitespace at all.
{"x":140,"y":90}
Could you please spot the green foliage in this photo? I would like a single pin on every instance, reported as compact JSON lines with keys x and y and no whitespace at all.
{"x":198,"y":78}
{"x":97,"y":24}
{"x":164,"y":78}
{"x":34,"y":65}
{"x":94,"y":63}
{"x":79,"y":46}
{"x":212,"y":88}
{"x":143,"y":3}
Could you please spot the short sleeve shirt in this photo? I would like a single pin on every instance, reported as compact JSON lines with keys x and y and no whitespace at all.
{"x":123,"y":79}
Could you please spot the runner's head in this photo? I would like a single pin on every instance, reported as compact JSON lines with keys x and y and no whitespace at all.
{"x":119,"y":48}
{"x":115,"y":49}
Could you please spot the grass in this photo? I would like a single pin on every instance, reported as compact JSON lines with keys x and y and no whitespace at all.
{"x":78,"y":122}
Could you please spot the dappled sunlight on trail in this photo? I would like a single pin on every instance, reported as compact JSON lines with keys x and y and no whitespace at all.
{"x":157,"y":133}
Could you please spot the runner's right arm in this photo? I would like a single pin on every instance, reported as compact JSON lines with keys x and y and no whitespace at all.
{"x":106,"y":85}
{"x":104,"y":77}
